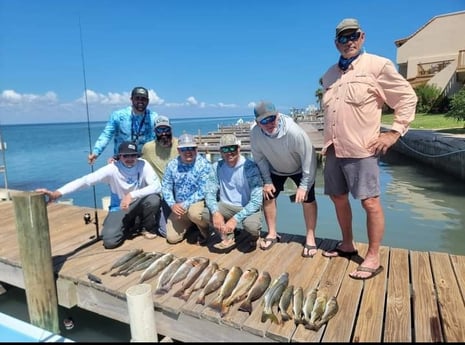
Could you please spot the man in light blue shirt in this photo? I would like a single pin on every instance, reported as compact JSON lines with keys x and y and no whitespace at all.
{"x":234,"y":195}
{"x":134,"y":123}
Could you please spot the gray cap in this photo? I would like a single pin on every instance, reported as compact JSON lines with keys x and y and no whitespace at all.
{"x":229,"y":140}
{"x":264,"y":109}
{"x":347,"y":24}
{"x":186,"y":140}
{"x":162,"y":121}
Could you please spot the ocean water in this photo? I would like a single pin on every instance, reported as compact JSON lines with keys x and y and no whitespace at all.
{"x":424,"y":208}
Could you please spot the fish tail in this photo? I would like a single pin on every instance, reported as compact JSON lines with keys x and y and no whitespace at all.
{"x":178,"y":293}
{"x":200,"y":300}
{"x":185,"y":295}
{"x":310,"y":326}
{"x":269,"y":316}
{"x":216,"y":304}
{"x":161,"y":291}
{"x":246,"y":306}
{"x":224,"y":310}
{"x":285,"y":316}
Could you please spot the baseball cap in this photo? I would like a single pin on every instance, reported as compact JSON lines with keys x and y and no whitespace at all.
{"x":186,"y":140}
{"x":347,"y":24}
{"x":128,"y":148}
{"x":140,"y":91}
{"x":162,"y":121}
{"x":264,"y":109}
{"x":229,"y":140}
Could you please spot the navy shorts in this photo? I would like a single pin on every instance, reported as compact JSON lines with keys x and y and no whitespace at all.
{"x":359,"y":176}
{"x":279,"y":180}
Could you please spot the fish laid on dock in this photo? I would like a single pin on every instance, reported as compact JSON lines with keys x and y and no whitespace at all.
{"x":330,"y":310}
{"x":297,"y":305}
{"x":128,"y":264}
{"x":228,"y":286}
{"x":285,"y":302}
{"x":244,"y":284}
{"x":199,"y":265}
{"x":257,"y":290}
{"x":317,"y":311}
{"x":200,"y":283}
{"x":144,"y":264}
{"x":272,"y":297}
{"x":309,"y":302}
{"x":167,"y":274}
{"x":123,"y":259}
{"x":155,"y":267}
{"x":215,"y":282}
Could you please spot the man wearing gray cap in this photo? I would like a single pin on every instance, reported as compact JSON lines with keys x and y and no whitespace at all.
{"x":133,"y":123}
{"x":282,"y":150}
{"x":354,"y":91}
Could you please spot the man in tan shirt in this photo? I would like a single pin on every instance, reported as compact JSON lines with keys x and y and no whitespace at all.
{"x":355,"y":90}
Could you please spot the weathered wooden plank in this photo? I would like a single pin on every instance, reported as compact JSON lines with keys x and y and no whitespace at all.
{"x":451,"y":305}
{"x":426,"y":320}
{"x":398,"y":322}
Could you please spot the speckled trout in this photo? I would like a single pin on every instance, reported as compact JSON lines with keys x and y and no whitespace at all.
{"x":272,"y":297}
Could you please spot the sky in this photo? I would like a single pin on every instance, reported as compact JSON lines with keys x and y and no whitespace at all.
{"x":197,"y":58}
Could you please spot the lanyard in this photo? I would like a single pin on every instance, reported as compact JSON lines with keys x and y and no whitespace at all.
{"x":135,"y":137}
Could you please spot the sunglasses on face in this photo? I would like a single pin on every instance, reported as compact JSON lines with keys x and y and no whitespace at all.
{"x":161,"y":130}
{"x":186,"y":149}
{"x":268,"y":120}
{"x":228,"y":149}
{"x":140,"y":98}
{"x":354,"y":36}
{"x":129,"y":156}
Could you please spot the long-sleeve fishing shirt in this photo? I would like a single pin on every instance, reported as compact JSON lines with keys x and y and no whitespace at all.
{"x":240,"y":185}
{"x":123,"y":125}
{"x":353,"y":102}
{"x":139,"y":181}
{"x":288,"y":152}
{"x":185,"y":183}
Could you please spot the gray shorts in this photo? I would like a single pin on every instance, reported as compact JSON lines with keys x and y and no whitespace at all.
{"x":359,"y":176}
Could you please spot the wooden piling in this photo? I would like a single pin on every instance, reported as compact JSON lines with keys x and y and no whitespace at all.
{"x":36,"y":258}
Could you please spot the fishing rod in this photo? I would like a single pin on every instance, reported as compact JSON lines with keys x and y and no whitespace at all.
{"x":87,"y":218}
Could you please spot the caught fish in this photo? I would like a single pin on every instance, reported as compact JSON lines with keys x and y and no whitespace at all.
{"x":272,"y":297}
{"x":128,"y":264}
{"x":123,"y":259}
{"x":155,"y":267}
{"x":257,"y":290}
{"x":144,"y":264}
{"x":330,"y":310}
{"x":309,"y":303}
{"x":285,"y":302}
{"x":244,"y":284}
{"x":226,"y":289}
{"x":317,"y":311}
{"x":193,"y":274}
{"x":213,"y":284}
{"x":297,"y":305}
{"x":200,"y":283}
{"x":167,"y":274}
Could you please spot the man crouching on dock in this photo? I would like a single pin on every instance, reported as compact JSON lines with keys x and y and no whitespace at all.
{"x":135,"y":192}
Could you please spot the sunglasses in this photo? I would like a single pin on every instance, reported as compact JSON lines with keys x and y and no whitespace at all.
{"x":161,"y":130}
{"x":354,"y":36}
{"x":268,"y":120}
{"x":228,"y":149}
{"x":186,"y":149}
{"x":132,"y":155}
{"x":140,"y":98}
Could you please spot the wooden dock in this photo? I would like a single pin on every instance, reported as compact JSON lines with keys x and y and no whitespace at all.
{"x":417,"y":298}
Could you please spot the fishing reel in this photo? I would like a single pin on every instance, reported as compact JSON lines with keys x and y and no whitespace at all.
{"x":87,"y":218}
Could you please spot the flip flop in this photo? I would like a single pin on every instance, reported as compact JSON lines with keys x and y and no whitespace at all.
{"x":373,"y":272}
{"x":271,"y":241}
{"x":309,"y":248}
{"x":338,"y":252}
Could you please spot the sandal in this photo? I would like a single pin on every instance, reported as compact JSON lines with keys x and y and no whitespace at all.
{"x":269,"y":242}
{"x":308,"y":247}
{"x":221,"y":247}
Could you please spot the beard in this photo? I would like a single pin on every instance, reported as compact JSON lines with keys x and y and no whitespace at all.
{"x":164,"y":139}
